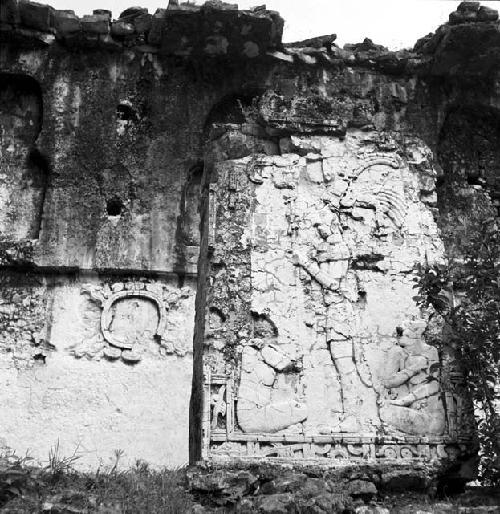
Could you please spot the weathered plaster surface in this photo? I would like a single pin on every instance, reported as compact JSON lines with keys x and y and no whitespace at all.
{"x":323,"y":232}
{"x":315,"y":349}
{"x":91,"y":409}
{"x":101,"y":163}
{"x":65,"y":385}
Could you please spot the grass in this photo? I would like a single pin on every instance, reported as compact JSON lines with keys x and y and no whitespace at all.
{"x":59,"y":488}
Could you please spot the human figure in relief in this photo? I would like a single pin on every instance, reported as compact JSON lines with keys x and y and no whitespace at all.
{"x":412,"y":404}
{"x":415,"y":406}
{"x":257,"y":409}
{"x":339,"y":345}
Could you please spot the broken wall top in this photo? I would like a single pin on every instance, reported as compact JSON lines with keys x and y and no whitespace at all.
{"x":213,"y":29}
{"x":467,"y":44}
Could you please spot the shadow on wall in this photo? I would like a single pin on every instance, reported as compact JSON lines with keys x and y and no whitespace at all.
{"x":233,"y":129}
{"x":24,"y":169}
{"x":231,"y":108}
{"x":469,"y":146}
{"x":188,"y":225}
{"x":469,"y":187}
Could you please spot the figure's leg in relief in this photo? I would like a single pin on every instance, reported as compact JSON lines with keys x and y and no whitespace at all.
{"x":269,"y":418}
{"x":342,"y":355}
{"x":256,"y":412}
{"x":323,"y":393}
{"x":414,"y":422}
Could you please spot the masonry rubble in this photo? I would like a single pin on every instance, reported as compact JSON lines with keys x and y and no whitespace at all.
{"x":209,"y":241}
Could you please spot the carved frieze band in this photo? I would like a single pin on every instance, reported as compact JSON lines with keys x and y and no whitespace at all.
{"x":333,"y":453}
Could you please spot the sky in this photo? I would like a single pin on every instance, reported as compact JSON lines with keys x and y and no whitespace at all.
{"x":392,"y":23}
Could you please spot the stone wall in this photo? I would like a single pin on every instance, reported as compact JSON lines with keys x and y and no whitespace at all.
{"x":199,"y":222}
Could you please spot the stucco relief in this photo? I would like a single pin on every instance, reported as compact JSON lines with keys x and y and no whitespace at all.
{"x":262,"y":408}
{"x":123,"y":320}
{"x":136,"y":318}
{"x":413,"y":403}
{"x":334,"y":237}
{"x":372,"y":205}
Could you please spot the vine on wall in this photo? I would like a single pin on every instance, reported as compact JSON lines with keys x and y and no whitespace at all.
{"x":465,"y":294}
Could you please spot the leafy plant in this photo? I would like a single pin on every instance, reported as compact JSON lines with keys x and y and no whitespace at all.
{"x":466,"y":294}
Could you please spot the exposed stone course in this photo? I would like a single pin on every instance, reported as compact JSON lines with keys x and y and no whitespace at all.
{"x":66,"y":22}
{"x":215,"y":29}
{"x":36,"y":16}
{"x":284,"y":488}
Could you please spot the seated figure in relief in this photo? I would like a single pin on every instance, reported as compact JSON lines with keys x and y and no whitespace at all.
{"x":262,"y":407}
{"x":414,"y":405}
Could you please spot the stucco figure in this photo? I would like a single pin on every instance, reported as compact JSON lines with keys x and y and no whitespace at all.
{"x":329,"y":264}
{"x":413,"y":404}
{"x":261,"y":408}
{"x":339,"y":341}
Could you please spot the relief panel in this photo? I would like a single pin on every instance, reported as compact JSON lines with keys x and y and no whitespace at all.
{"x":331,"y":242}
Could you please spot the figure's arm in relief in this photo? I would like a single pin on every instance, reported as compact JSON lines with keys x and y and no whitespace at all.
{"x":277,"y":358}
{"x":399,"y":378}
{"x":420,"y":393}
{"x":313,"y":269}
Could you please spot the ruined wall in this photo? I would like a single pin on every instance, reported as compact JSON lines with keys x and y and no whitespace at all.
{"x":203,"y":230}
{"x":315,"y":348}
{"x":101,"y":163}
{"x":108,"y":198}
{"x":25,"y":173}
